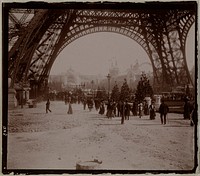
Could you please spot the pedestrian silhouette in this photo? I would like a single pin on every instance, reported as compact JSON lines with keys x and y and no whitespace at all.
{"x":102,"y":108}
{"x":152,"y":111}
{"x":163,"y":110}
{"x":140,"y":109}
{"x":127,"y":110}
{"x":122,"y":112}
{"x":70,"y":107}
{"x":48,"y":106}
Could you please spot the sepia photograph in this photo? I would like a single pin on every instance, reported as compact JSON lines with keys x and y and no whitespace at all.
{"x":99,"y":87}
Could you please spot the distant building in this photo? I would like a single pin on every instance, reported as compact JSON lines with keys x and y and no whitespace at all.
{"x":133,"y":74}
{"x":114,"y":70}
{"x":71,"y":78}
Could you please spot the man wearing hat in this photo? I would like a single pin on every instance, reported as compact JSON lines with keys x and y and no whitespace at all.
{"x":163,"y":110}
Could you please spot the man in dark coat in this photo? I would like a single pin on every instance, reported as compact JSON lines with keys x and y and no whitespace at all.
{"x":84,"y":104}
{"x":163,"y":110}
{"x":127,"y":111}
{"x":122,"y":111}
{"x":187,"y":109}
{"x":134,"y":108}
{"x":193,"y":115}
{"x":152,"y":111}
{"x":48,"y":106}
{"x":102,"y":108}
{"x":119,"y":104}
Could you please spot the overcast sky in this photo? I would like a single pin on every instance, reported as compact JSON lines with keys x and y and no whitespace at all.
{"x":93,"y":53}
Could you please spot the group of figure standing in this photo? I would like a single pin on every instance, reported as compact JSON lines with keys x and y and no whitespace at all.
{"x":70,"y":111}
{"x":123,"y":108}
{"x":116,"y":109}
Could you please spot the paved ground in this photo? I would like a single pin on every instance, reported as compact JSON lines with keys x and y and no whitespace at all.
{"x":57,"y":140}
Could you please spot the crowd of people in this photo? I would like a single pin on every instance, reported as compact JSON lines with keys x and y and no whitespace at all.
{"x":124,"y":109}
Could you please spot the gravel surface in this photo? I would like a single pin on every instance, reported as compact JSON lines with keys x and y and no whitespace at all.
{"x":58,"y":141}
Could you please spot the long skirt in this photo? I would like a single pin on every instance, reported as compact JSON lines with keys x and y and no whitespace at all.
{"x":152,"y":114}
{"x":110,"y":113}
{"x":102,"y":110}
{"x":70,"y":109}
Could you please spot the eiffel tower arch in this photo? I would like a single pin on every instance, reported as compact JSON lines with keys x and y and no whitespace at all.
{"x":37,"y":36}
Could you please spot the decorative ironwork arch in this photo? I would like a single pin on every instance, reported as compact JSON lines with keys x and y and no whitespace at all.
{"x":114,"y":29}
{"x":162,"y":34}
{"x":81,"y":31}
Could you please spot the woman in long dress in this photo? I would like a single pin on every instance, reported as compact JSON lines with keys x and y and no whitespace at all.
{"x":70,"y":107}
{"x":152,"y":111}
{"x":110,"y":112}
{"x":140,"y":109}
{"x":187,"y":109}
{"x":102,"y":108}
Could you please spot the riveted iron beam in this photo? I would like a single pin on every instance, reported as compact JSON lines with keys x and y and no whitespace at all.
{"x":152,"y":29}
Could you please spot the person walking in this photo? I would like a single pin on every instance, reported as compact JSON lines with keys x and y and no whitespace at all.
{"x":114,"y":108}
{"x":146,"y":109}
{"x":193,"y":115}
{"x":102,"y":108}
{"x":163,"y":110}
{"x":119,"y":104}
{"x":140,"y":109}
{"x":65,"y":99}
{"x":122,"y":112}
{"x":90,"y":104}
{"x":152,"y":111}
{"x":84,"y":104}
{"x":127,"y":110}
{"x":187,"y":109}
{"x":70,"y":107}
{"x":134,"y":109}
{"x":110,"y":112}
{"x":48,"y":106}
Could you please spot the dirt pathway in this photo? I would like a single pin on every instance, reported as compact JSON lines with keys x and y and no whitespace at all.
{"x":57,"y":140}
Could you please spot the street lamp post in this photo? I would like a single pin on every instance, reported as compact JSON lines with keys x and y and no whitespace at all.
{"x":92,"y":89}
{"x":108,"y":85}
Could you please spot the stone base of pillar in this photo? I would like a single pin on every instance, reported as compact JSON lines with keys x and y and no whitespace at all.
{"x":12,"y":101}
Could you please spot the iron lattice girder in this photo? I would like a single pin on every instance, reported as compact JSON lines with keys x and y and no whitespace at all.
{"x":16,"y":53}
{"x":28,"y":41}
{"x":160,"y":24}
{"x":130,"y":23}
{"x":173,"y":49}
{"x":18,"y":22}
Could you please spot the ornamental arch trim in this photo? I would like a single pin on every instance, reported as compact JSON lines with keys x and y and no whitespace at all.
{"x":161,"y":35}
{"x":83,"y":31}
